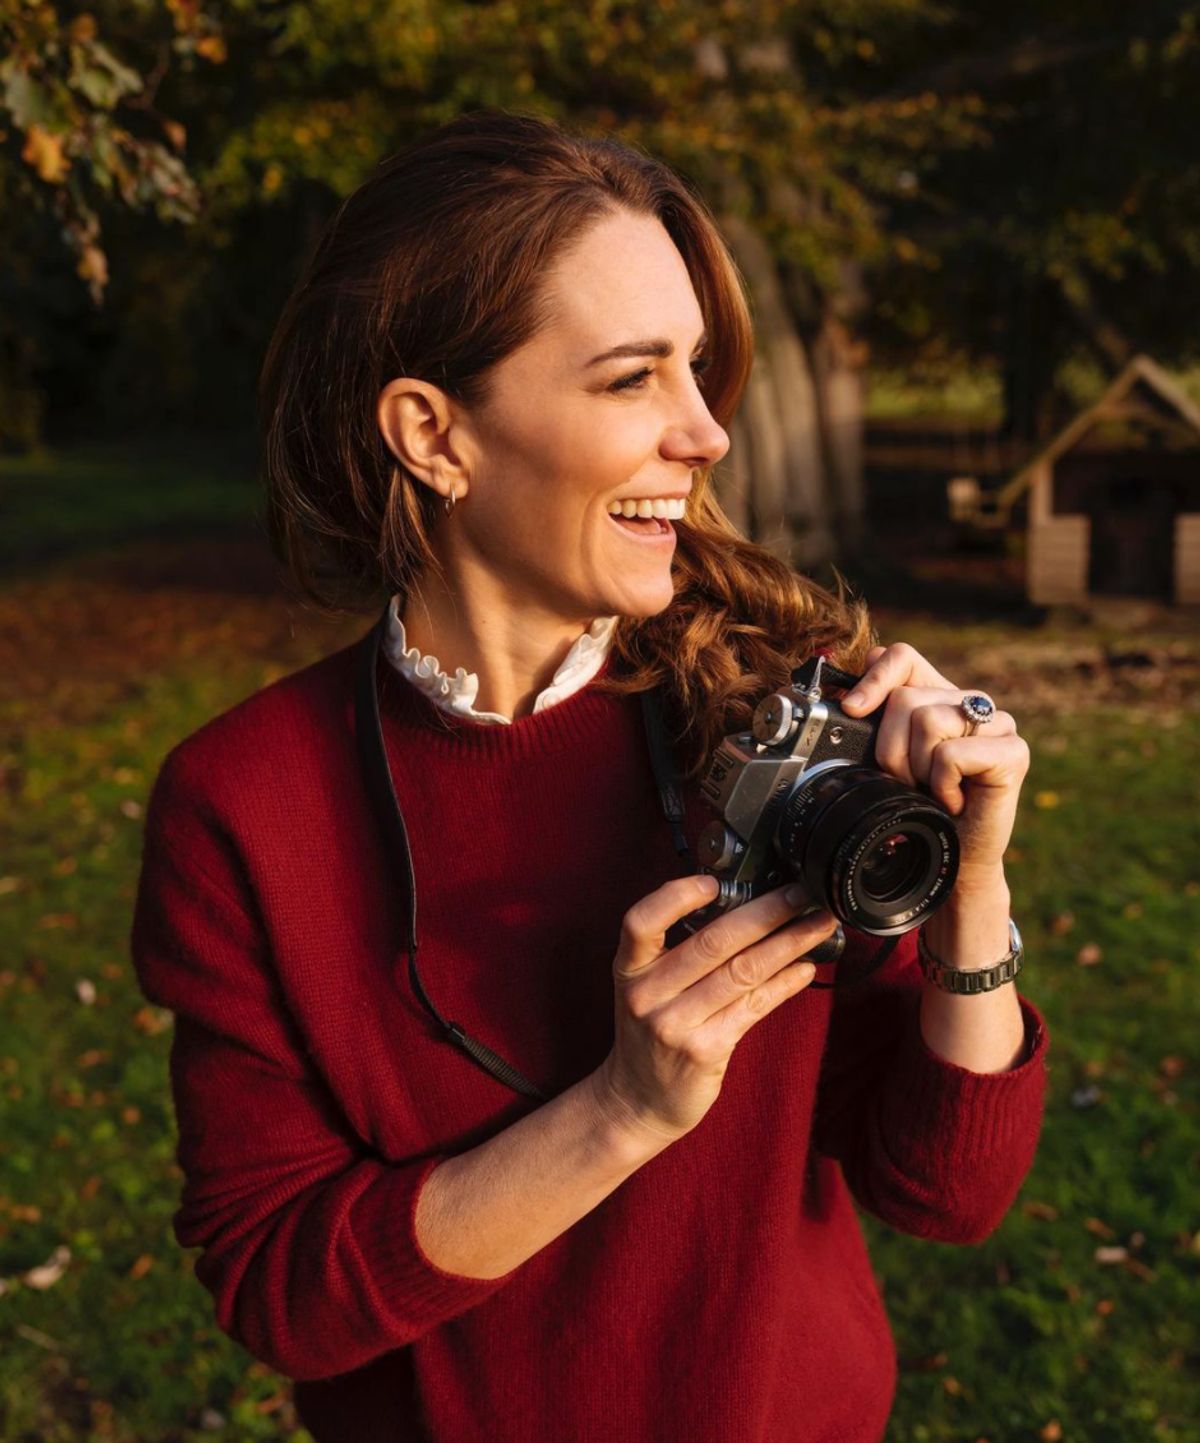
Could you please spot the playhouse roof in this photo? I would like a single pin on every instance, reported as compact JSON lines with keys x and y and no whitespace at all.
{"x":1141,"y":369}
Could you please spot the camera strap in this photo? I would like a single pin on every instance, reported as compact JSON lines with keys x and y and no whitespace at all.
{"x":381,"y":792}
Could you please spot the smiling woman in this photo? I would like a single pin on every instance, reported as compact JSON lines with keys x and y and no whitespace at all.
{"x":493,"y":404}
{"x":533,"y":326}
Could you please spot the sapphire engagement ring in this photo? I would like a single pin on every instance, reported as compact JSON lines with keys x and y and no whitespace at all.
{"x":978,"y":710}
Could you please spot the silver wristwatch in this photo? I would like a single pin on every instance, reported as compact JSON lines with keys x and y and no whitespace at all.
{"x":969,"y":982}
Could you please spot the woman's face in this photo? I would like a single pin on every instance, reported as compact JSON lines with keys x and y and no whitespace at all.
{"x":567,"y":429}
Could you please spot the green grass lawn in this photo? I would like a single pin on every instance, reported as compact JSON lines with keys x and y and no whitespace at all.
{"x":65,"y":503}
{"x":1077,"y":1320}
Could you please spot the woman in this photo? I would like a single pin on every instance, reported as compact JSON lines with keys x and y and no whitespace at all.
{"x":503,"y":334}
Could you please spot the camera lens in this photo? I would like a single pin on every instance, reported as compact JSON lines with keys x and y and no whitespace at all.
{"x":894,"y":865}
{"x":880,"y":856}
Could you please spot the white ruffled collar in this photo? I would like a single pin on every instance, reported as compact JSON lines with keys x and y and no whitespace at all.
{"x":457,"y":693}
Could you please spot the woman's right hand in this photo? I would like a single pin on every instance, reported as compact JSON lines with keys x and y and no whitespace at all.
{"x":681,"y":1011}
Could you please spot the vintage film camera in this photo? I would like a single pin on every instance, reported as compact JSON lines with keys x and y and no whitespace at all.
{"x":798,"y":800}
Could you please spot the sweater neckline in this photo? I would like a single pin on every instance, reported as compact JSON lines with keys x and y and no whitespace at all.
{"x":576,"y":720}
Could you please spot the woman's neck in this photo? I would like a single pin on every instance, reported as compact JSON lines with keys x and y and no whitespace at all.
{"x":515,"y":650}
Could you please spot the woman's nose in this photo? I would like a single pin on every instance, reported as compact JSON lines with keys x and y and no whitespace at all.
{"x":696,"y":437}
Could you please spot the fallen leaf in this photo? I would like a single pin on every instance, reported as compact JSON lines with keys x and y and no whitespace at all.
{"x":1172,"y":1065}
{"x":54,"y":920}
{"x":1046,"y":801}
{"x":1105,"y":1307}
{"x":151,"y":1019}
{"x":1111,"y":1255}
{"x":141,"y":1267}
{"x":1051,"y":1432}
{"x":50,"y":1271}
{"x":1044,"y":1212}
{"x":1088,"y":955}
{"x":952,"y":1386}
{"x":85,"y":991}
{"x":1062,"y":924}
{"x":1098,"y":1229}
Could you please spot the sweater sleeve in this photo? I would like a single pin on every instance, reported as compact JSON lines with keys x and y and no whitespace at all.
{"x":929,"y":1147}
{"x":308,"y":1237}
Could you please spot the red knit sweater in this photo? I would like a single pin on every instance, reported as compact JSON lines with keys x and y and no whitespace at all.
{"x":721,"y":1294}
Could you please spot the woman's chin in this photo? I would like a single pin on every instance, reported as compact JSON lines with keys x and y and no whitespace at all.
{"x":644,"y":600}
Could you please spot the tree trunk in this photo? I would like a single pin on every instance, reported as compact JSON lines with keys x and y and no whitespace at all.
{"x":836,"y":359}
{"x":774,"y":482}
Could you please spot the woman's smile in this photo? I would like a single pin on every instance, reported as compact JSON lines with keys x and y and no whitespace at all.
{"x":648,"y":518}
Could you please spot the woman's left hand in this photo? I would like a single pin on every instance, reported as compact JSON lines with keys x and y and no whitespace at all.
{"x":922,"y":739}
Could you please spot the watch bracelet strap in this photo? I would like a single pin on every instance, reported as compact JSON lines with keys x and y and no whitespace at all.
{"x":970,"y":982}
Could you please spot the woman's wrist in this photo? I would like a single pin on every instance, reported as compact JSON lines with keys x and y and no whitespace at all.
{"x":970,"y":930}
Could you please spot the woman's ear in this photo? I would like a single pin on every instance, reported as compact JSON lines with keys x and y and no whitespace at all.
{"x":419,"y":425}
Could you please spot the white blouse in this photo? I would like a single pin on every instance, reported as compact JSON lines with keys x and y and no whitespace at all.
{"x":457,"y":693}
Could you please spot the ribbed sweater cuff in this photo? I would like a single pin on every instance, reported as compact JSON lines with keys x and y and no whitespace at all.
{"x":408,"y":1280}
{"x":985,"y":1112}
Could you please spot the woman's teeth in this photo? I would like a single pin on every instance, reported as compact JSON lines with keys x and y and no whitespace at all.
{"x":671,"y":509}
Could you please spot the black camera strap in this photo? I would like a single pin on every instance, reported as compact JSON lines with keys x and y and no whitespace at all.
{"x":381,"y":792}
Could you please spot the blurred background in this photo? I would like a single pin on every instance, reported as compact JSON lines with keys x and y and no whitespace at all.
{"x":972,"y":237}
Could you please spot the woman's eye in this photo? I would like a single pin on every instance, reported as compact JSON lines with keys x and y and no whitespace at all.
{"x":636,"y":379}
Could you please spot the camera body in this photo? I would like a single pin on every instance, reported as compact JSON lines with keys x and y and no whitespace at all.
{"x":799,"y":799}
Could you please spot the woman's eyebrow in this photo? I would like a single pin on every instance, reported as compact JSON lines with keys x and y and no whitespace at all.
{"x":660,"y":348}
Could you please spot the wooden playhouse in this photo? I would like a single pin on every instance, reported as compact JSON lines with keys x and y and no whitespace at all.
{"x":1112,"y":503}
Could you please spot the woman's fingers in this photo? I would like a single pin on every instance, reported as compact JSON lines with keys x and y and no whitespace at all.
{"x":724,"y":1029}
{"x":705,"y":950}
{"x":939,"y":722}
{"x":915,"y":720}
{"x":645,"y":926}
{"x":753,"y":970}
{"x":998,"y":765}
{"x":894,"y":666}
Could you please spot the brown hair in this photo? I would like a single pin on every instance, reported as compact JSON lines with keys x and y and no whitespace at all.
{"x":432,"y":268}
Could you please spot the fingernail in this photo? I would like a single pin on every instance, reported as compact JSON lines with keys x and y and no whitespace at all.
{"x":853,"y":698}
{"x":794,"y":894}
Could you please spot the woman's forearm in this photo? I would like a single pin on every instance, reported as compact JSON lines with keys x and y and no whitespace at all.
{"x":983,"y":1033}
{"x":486,"y":1211}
